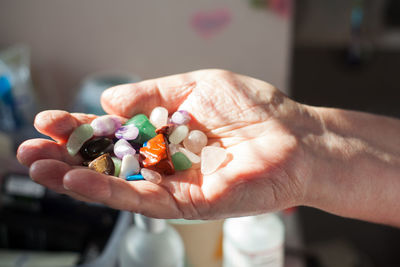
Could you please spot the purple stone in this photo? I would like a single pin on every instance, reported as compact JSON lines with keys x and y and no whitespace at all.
{"x":105,"y":125}
{"x":122,"y":148}
{"x":180,"y":117}
{"x":117,"y":122}
{"x":127,"y":132}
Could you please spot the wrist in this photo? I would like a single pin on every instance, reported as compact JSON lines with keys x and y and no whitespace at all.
{"x":354,"y":165}
{"x":325,"y":150}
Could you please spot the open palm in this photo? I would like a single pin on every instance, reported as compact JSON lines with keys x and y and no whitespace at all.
{"x":248,"y":117}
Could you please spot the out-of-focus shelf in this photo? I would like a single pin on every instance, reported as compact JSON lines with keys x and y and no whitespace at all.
{"x":389,"y":40}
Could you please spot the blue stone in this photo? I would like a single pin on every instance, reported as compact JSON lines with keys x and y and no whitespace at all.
{"x":135,"y":177}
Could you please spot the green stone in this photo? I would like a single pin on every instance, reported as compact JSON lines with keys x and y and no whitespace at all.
{"x":78,"y":137}
{"x":180,"y":161}
{"x":117,"y":165}
{"x":146,"y":129}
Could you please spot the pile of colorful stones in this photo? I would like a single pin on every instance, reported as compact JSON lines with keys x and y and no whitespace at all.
{"x":145,"y":148}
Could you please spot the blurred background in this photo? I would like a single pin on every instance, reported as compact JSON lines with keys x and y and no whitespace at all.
{"x":62,"y":54}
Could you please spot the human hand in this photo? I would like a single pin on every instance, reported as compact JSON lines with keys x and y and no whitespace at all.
{"x":260,"y":128}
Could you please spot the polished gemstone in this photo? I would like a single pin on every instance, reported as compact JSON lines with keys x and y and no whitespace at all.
{"x":178,"y":134}
{"x":166,"y":129}
{"x":190,"y":155}
{"x":96,"y":147}
{"x":78,"y":137}
{"x":181,"y":162}
{"x":105,"y":125}
{"x":129,"y":166}
{"x":173,"y":148}
{"x":103,"y":164}
{"x":117,"y":166}
{"x":195,"y":141}
{"x":127,"y":132}
{"x":156,"y":155}
{"x":146,"y":129}
{"x":211,"y":158}
{"x":135,"y":177}
{"x":151,"y":176}
{"x":159,"y":116}
{"x":122,"y":148}
{"x":180,"y":117}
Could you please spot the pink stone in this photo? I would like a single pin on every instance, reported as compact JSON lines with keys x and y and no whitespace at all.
{"x":151,"y":176}
{"x":211,"y":158}
{"x":195,"y":141}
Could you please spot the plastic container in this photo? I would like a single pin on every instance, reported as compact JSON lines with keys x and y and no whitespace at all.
{"x":109,"y":256}
{"x":253,"y":241}
{"x":151,"y":243}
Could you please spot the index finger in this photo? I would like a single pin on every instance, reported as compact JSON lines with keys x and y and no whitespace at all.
{"x":59,"y":124}
{"x":130,"y":99}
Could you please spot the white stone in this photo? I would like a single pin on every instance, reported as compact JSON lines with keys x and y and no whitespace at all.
{"x":173,"y":148}
{"x":179,"y":134}
{"x":159,"y":117}
{"x":211,"y":158}
{"x":129,"y":166}
{"x":151,"y":176}
{"x":195,"y":141}
{"x":190,"y":155}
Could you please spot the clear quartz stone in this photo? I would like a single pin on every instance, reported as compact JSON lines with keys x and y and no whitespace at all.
{"x":179,"y":134}
{"x":122,"y":148}
{"x":190,"y":155}
{"x":159,"y":117}
{"x":173,"y":148}
{"x":195,"y":141}
{"x":211,"y":158}
{"x":129,"y":166}
{"x":151,"y":176}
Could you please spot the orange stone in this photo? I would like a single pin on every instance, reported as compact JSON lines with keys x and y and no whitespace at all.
{"x":156,"y":155}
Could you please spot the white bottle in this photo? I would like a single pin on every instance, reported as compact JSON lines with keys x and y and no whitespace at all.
{"x":253,"y":241}
{"x":151,"y":243}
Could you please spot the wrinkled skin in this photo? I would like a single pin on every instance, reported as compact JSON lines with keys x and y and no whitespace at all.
{"x":259,"y":127}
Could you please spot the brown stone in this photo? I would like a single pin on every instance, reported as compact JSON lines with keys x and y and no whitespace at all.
{"x":166,"y":129}
{"x":103,"y":164}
